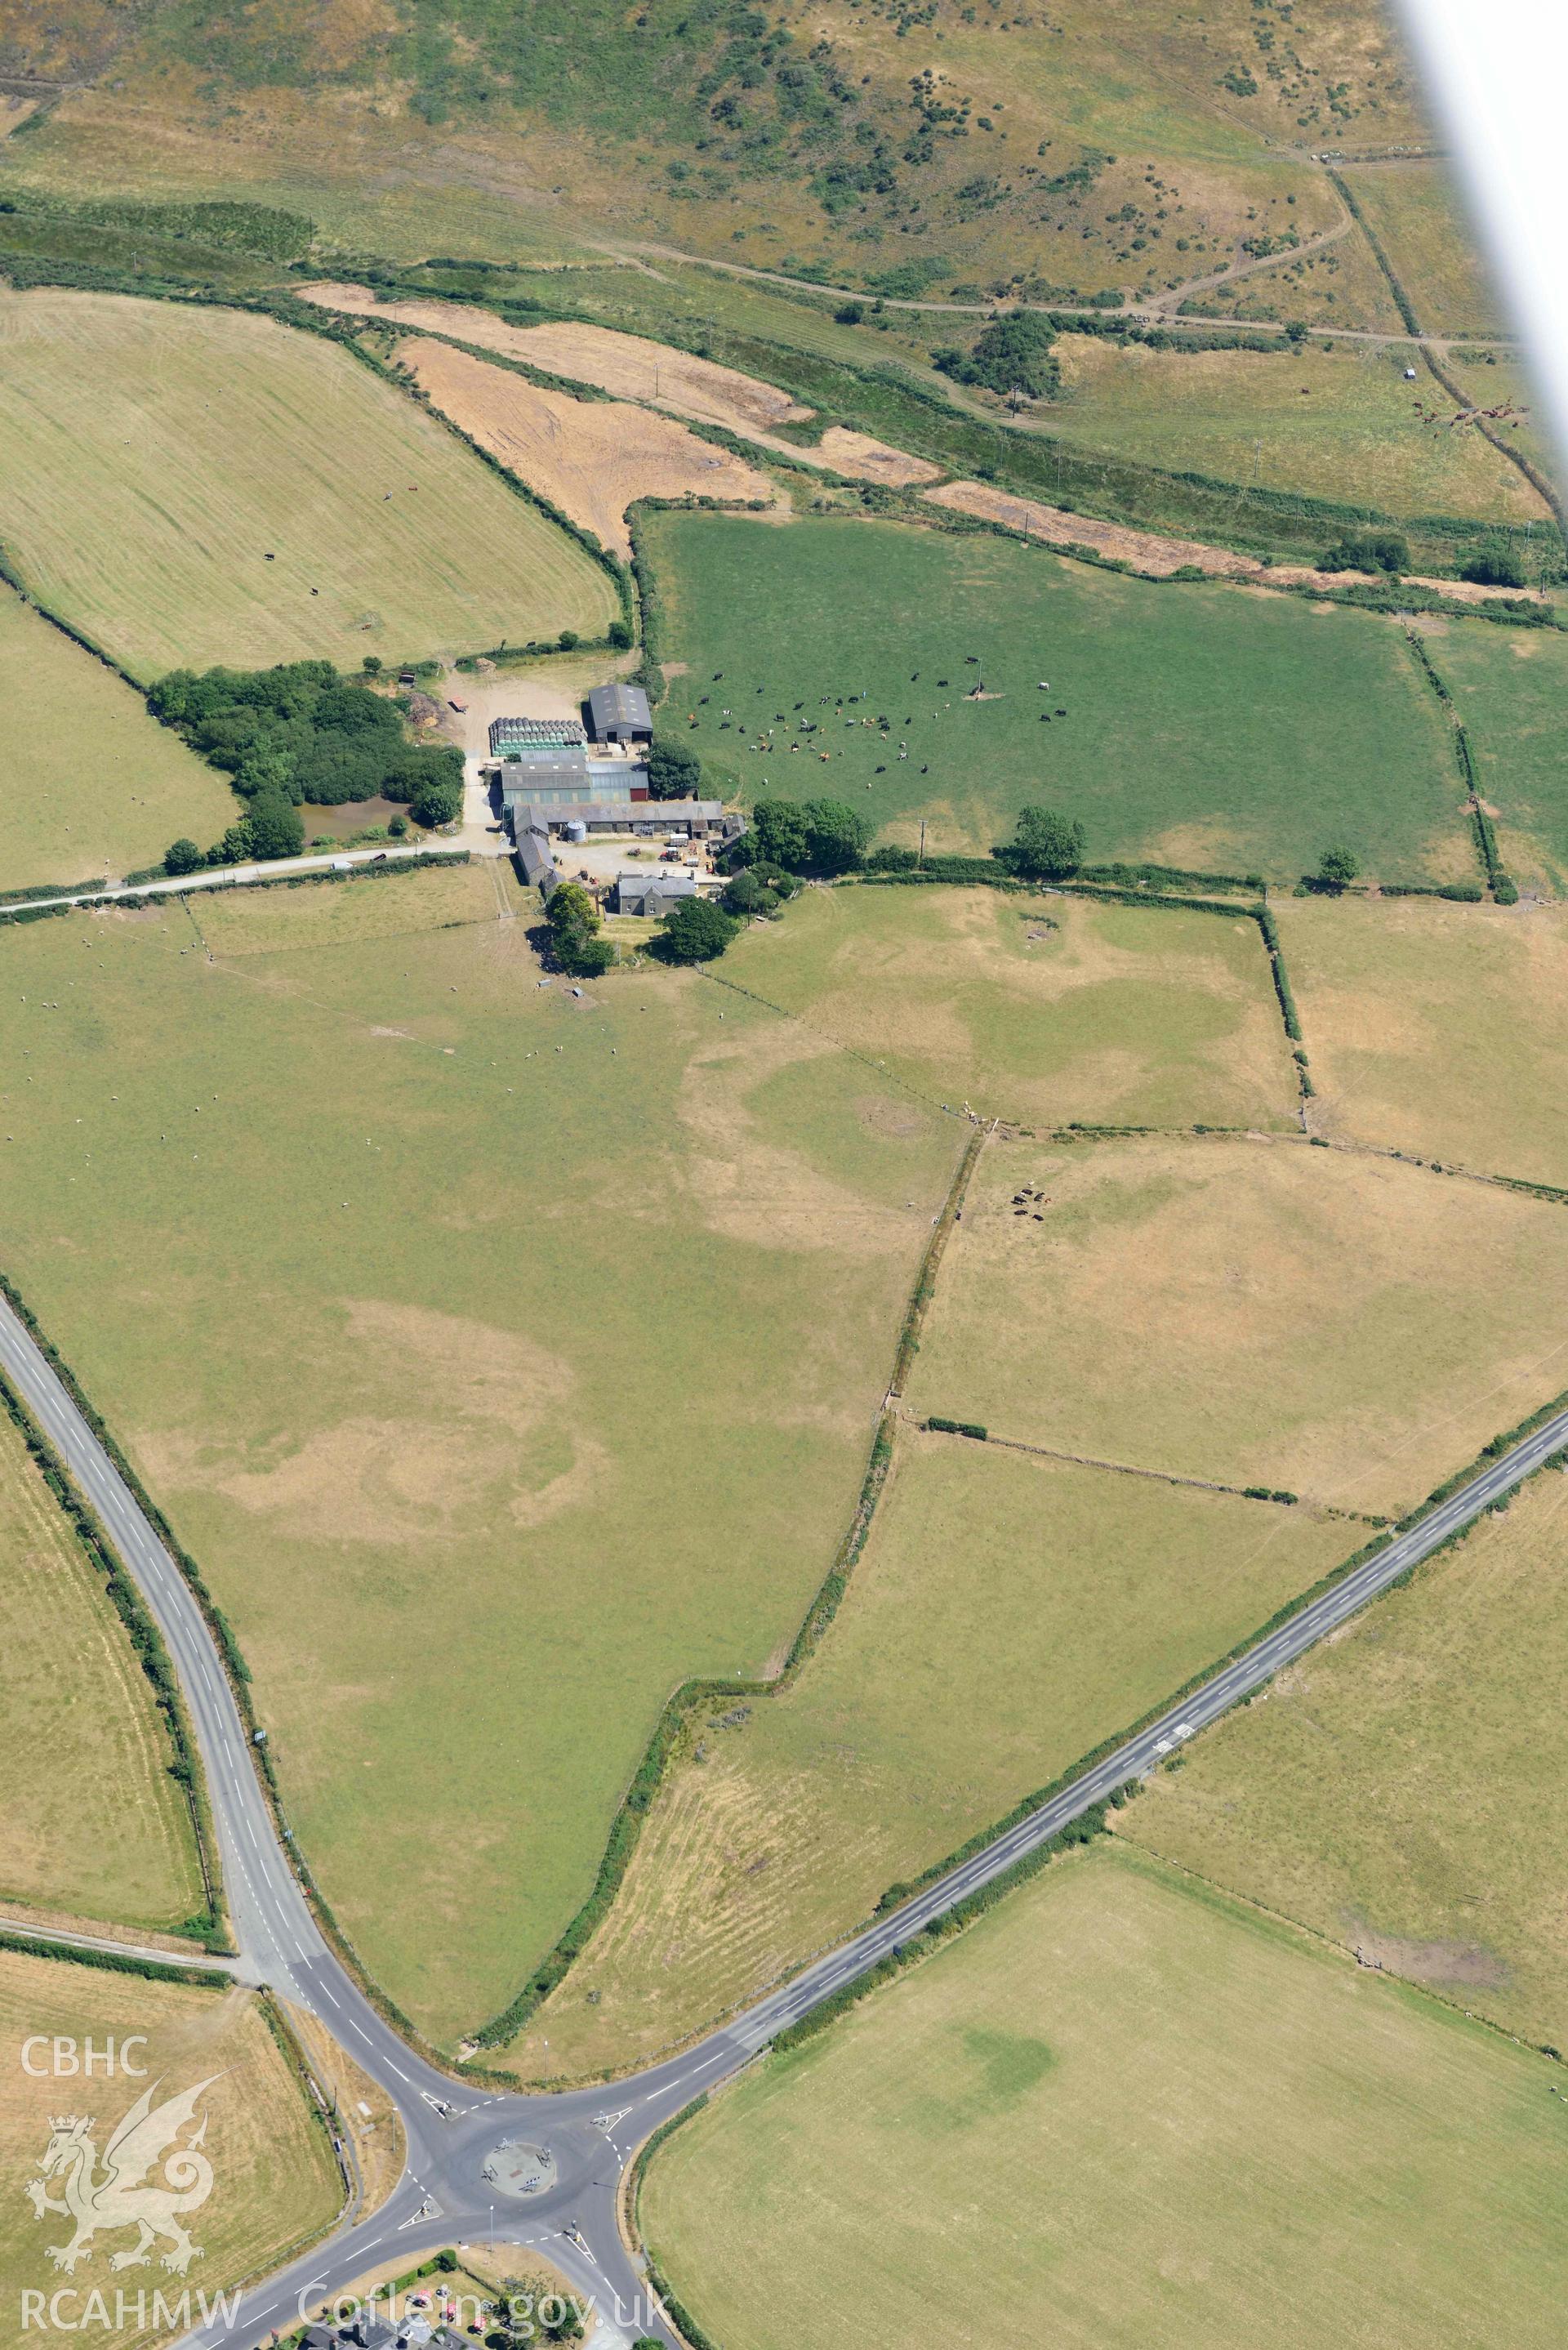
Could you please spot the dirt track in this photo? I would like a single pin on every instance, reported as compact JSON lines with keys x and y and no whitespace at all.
{"x":592,"y":458}
{"x":1156,"y":556}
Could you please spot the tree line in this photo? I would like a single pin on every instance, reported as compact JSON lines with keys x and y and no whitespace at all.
{"x":294,"y":733}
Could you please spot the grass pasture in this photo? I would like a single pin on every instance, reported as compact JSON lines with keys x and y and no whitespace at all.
{"x":1120,"y":2111}
{"x":1032,"y":1009}
{"x":256,"y":495}
{"x":1437,"y":1029}
{"x":1339,"y":423}
{"x":1334,"y":284}
{"x":1511,"y":697}
{"x":275,"y":2183}
{"x":1414,"y":210}
{"x":1206,"y":725}
{"x":91,"y":1825}
{"x":92,"y":786}
{"x":1349,"y":1328}
{"x":512,"y":1263}
{"x":1395,"y":1790}
{"x":1052,"y":1605}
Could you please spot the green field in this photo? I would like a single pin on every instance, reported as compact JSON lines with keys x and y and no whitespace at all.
{"x":1119,"y":2111}
{"x":1338,"y":423}
{"x":1511,"y":690}
{"x":91,"y":1825}
{"x":1260,"y":1313}
{"x":92,"y":786}
{"x":1415,"y":212}
{"x":1437,"y":1029}
{"x":1397,"y":1789}
{"x":532,"y":1364}
{"x":1008,"y":1614}
{"x":275,"y":2184}
{"x":1206,"y":726}
{"x":256,"y":496}
{"x":1042,"y":1010}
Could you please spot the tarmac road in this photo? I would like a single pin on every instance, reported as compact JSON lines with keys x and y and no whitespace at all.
{"x":455,"y":2128}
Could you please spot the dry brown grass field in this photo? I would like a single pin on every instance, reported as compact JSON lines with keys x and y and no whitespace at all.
{"x":591,"y":458}
{"x":91,"y":784}
{"x":1397,"y":1789}
{"x":1008,"y":1614}
{"x":1123,"y":2112}
{"x":256,"y":496}
{"x":1416,"y":214}
{"x":91,"y":1823}
{"x":1336,"y":284}
{"x":1437,"y":1029}
{"x":512,"y":1261}
{"x":275,"y":2181}
{"x":659,"y":376}
{"x":629,"y":366}
{"x":1262,"y":1313}
{"x":1039,"y":1010}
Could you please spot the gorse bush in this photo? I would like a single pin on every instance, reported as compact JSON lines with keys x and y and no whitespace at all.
{"x":1367,"y":550}
{"x":1014,"y":354}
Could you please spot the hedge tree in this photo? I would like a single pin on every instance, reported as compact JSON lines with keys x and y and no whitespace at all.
{"x":1047,"y":846}
{"x":696,"y":930}
{"x":674,"y":770}
{"x":807,"y":836}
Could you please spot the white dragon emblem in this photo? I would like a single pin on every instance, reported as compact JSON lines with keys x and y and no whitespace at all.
{"x":117,"y":2196}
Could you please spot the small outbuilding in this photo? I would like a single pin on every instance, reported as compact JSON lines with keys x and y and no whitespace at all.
{"x":620,"y":714}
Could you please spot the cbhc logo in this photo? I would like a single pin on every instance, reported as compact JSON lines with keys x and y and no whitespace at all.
{"x":66,"y":2058}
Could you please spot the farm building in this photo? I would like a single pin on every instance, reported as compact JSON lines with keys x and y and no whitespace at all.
{"x":509,"y":734}
{"x":538,"y":775}
{"x":653,"y":893}
{"x":535,"y":858}
{"x":620,"y":714}
{"x":648,"y":819}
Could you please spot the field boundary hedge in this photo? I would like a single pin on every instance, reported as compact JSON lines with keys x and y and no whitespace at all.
{"x":626,"y":1829}
{"x":1503,"y":887}
{"x":146,"y":1640}
{"x":115,"y":1962}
